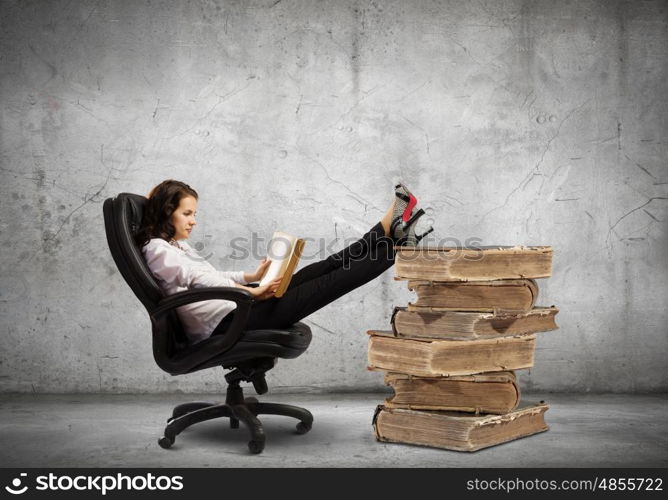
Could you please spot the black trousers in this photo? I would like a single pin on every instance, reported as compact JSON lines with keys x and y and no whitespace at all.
{"x":321,"y":283}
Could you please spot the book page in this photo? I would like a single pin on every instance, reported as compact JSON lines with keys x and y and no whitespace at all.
{"x":280,"y":248}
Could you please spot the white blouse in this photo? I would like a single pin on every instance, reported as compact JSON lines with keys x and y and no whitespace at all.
{"x":179,"y":267}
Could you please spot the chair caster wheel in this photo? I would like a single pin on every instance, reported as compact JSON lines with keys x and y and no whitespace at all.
{"x":303,"y":427}
{"x":256,"y":446}
{"x":165,"y":442}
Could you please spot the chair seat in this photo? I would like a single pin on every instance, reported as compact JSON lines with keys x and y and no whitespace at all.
{"x":296,"y":336}
{"x":287,"y":343}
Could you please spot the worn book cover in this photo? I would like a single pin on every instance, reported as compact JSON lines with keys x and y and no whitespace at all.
{"x":496,"y":392}
{"x":457,"y":431}
{"x":437,"y":358}
{"x":487,"y":296}
{"x":473,"y":264}
{"x":464,"y":325}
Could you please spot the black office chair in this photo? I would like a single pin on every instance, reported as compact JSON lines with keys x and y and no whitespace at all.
{"x":248,"y":353}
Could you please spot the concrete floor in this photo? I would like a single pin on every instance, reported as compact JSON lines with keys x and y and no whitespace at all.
{"x":122,"y":431}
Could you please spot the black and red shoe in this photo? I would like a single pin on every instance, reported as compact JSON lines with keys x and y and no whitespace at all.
{"x":406,"y":202}
{"x":404,"y":232}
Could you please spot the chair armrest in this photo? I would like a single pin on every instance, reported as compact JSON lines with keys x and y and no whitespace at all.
{"x":237,"y":295}
{"x":197,"y":354}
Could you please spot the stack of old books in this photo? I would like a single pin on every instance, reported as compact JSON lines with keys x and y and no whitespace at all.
{"x":451,"y":355}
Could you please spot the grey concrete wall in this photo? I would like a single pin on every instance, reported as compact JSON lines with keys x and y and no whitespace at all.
{"x":519,"y":122}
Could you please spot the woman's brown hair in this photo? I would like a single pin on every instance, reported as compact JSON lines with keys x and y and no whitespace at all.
{"x":163,"y":200}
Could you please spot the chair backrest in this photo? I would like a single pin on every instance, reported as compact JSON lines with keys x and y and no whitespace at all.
{"x":122,"y":219}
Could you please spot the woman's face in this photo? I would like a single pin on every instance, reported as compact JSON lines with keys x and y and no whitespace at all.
{"x":183,"y":218}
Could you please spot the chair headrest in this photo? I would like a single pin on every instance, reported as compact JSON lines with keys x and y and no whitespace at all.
{"x":122,"y":219}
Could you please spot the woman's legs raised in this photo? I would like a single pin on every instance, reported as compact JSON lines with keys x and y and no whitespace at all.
{"x":307,"y":297}
{"x":341,"y":258}
{"x":322,"y":282}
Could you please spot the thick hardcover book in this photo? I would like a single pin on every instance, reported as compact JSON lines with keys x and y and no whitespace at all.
{"x":437,"y":358}
{"x":457,"y":431}
{"x":473,"y":264}
{"x":496,"y":392}
{"x":464,"y":325}
{"x":488,"y":296}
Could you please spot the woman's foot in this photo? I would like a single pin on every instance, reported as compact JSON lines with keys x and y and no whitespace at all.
{"x":399,"y":212}
{"x":405,"y":202}
{"x":400,"y":221}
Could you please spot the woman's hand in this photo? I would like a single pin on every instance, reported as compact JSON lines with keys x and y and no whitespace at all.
{"x":259,"y":272}
{"x":265,"y":292}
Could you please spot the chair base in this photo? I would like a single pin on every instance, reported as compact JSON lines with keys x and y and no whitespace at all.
{"x":237,"y":409}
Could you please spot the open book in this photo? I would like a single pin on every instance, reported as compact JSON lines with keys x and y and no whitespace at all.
{"x":284,"y":252}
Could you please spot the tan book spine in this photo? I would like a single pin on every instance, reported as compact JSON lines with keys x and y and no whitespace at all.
{"x":457,"y":431}
{"x":463,"y":325}
{"x":485,"y":296}
{"x":437,"y":358}
{"x":466,"y":264}
{"x":496,"y":392}
{"x":290,"y":268}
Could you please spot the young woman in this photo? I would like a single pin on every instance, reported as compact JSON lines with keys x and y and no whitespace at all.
{"x":170,"y":217}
